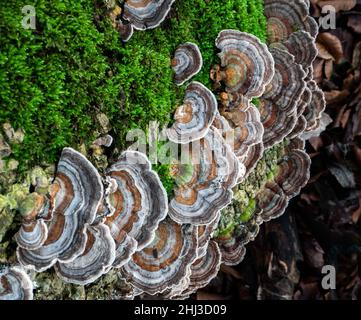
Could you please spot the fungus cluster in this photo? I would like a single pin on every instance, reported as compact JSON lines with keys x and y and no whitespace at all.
{"x":89,"y":223}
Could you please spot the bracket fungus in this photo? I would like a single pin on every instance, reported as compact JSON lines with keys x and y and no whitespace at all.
{"x":215,"y":171}
{"x":246,"y":64}
{"x":76,"y":193}
{"x":146,"y":14}
{"x":166,"y":261}
{"x":187,"y":62}
{"x":285,"y":17}
{"x":194,"y":118}
{"x":204,"y":269}
{"x":140,"y":202}
{"x":98,"y":256}
{"x":302,"y":46}
{"x":15,"y":284}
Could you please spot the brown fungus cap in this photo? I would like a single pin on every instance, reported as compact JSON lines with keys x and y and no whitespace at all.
{"x":187,"y":62}
{"x":209,"y":189}
{"x":76,"y":194}
{"x":194,"y":118}
{"x":146,"y":14}
{"x":166,"y":262}
{"x":285,"y":17}
{"x":140,"y":202}
{"x":15,"y":284}
{"x":98,"y":256}
{"x":246,"y":64}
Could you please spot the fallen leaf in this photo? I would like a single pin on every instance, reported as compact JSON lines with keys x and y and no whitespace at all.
{"x":339,"y":5}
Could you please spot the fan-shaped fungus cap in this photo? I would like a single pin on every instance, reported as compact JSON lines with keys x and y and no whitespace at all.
{"x":140,"y":202}
{"x":277,"y":123}
{"x":204,"y":269}
{"x":77,"y":193}
{"x":314,"y":110}
{"x":287,"y":85}
{"x":272,"y":201}
{"x":293,"y":172}
{"x":195,"y":116}
{"x":15,"y":284}
{"x":246,"y":64}
{"x":285,"y":17}
{"x":146,"y":14}
{"x":254,"y":154}
{"x":247,"y":128}
{"x":98,"y":256}
{"x":166,"y":261}
{"x":216,"y":170}
{"x":187,"y":62}
{"x":232,"y":250}
{"x":302,"y":46}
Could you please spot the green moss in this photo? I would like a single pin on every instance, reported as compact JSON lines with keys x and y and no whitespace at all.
{"x":55,"y":79}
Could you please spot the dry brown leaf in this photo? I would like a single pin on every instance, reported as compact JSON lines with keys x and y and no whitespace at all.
{"x":339,"y":5}
{"x":330,"y":44}
{"x":336,"y":96}
{"x":328,"y":69}
{"x":323,"y":52}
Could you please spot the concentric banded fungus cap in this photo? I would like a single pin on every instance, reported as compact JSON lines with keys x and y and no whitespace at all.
{"x":247,"y":65}
{"x":254,"y":154}
{"x":195,"y":116}
{"x":187,"y":62}
{"x":314,"y":110}
{"x":166,"y":261}
{"x":15,"y":284}
{"x":77,"y":193}
{"x":98,"y":256}
{"x":232,"y":250}
{"x":293,"y":172}
{"x":299,"y":128}
{"x":302,"y":46}
{"x":205,"y":269}
{"x":277,"y":123}
{"x":140,"y":203}
{"x":285,"y":17}
{"x":272,"y":201}
{"x":287,"y":85}
{"x":248,"y":130}
{"x":207,"y":190}
{"x":146,"y":14}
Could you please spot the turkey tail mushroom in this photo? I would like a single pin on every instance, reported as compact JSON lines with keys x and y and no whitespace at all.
{"x":187,"y":62}
{"x":284,"y":17}
{"x":207,"y":190}
{"x":194,"y":118}
{"x":246,"y":64}
{"x":140,"y":202}
{"x":98,"y":256}
{"x":15,"y":284}
{"x":166,"y":262}
{"x":146,"y":14}
{"x":77,"y":193}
